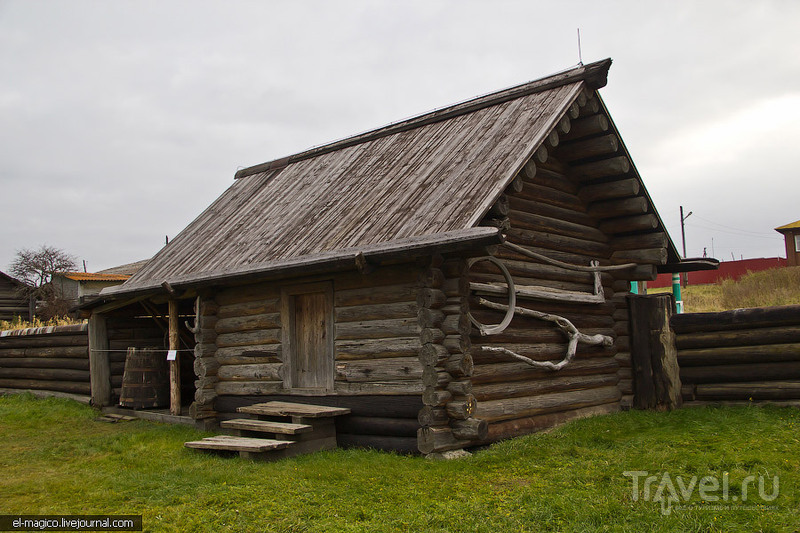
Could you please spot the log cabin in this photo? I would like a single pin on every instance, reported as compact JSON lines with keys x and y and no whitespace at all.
{"x":13,"y":301}
{"x":450,"y":280}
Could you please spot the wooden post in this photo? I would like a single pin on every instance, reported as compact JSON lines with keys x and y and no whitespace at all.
{"x":99,"y":368}
{"x":174,"y":366}
{"x":654,"y":357}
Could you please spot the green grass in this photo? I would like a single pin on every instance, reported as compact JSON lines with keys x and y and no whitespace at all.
{"x":55,"y":458}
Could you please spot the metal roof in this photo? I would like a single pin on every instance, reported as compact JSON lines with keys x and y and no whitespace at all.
{"x":91,"y":276}
{"x":430,"y":175}
{"x":793,"y":225}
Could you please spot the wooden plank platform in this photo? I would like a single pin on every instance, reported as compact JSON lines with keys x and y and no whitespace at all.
{"x":266,"y":426}
{"x":153,"y":415}
{"x":293,"y":409}
{"x":238,"y":444}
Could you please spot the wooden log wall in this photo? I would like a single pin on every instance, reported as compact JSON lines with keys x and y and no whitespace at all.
{"x":578,"y":199}
{"x":447,"y":420}
{"x":623,"y":341}
{"x":52,"y":359}
{"x":742,"y":356}
{"x":206,"y":365}
{"x":377,"y":344}
{"x":130,"y":329}
{"x":615,"y":199}
{"x":377,"y":332}
{"x":245,"y":330}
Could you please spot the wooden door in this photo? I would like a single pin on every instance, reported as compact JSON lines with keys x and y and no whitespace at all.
{"x":308,"y":336}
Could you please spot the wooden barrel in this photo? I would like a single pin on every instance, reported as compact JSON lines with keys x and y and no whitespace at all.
{"x":145,"y":381}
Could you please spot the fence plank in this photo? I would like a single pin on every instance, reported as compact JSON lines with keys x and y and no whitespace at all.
{"x":656,"y":375}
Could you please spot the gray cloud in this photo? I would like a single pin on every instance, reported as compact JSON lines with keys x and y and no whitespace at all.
{"x":121,"y":121}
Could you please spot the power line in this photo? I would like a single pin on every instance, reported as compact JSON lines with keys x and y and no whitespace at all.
{"x":731,"y":227}
{"x":745,"y":235}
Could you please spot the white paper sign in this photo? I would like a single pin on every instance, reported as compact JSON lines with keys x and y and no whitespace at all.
{"x":172,"y":355}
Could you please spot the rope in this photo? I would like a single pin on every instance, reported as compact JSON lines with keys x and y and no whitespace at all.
{"x":569,"y":266}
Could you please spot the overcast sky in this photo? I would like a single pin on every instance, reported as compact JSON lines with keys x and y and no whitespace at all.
{"x":121,"y":121}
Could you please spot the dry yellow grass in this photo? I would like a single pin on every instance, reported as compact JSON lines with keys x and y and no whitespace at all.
{"x":19,"y":323}
{"x":778,"y":286}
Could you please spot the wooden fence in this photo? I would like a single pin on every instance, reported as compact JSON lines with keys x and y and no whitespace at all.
{"x":656,"y":374}
{"x":740,"y":356}
{"x":53,"y":359}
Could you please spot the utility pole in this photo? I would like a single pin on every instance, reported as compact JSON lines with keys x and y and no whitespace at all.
{"x":683,"y":238}
{"x":683,"y":230}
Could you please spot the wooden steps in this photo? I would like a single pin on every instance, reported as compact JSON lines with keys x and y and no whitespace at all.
{"x":293,"y":409}
{"x":266,"y":426}
{"x":238,"y":444}
{"x":280,"y":430}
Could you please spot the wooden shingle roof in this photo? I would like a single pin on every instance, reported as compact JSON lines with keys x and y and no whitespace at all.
{"x":433,"y":175}
{"x":128,"y":269}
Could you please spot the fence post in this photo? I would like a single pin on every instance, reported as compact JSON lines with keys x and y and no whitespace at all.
{"x":99,"y":368}
{"x":654,"y":357}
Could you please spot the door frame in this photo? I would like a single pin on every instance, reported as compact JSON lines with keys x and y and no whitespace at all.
{"x":288,"y":332}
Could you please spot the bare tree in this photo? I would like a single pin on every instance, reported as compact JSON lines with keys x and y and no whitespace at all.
{"x":36,"y":268}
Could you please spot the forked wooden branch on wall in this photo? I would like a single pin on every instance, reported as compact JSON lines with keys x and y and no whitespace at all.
{"x":574,"y":336}
{"x":565,"y":325}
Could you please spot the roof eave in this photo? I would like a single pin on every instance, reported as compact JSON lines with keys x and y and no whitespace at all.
{"x":452,"y":242}
{"x":692,"y":264}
